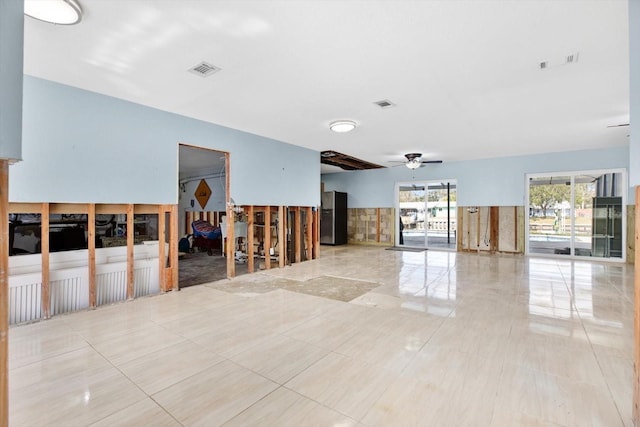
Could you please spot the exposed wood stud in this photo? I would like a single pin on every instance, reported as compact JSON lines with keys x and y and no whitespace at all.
{"x":250,"y":240}
{"x":230,"y":243}
{"x":298,"y":228}
{"x":44,"y":252}
{"x":173,"y":246}
{"x":515,"y":229}
{"x":478,"y":225}
{"x":494,"y":220}
{"x":282,"y":238}
{"x":636,"y":318}
{"x":4,"y":293}
{"x":469,"y":230}
{"x":130,"y":241}
{"x":267,"y":237}
{"x":161,"y":248}
{"x":231,"y":264}
{"x":460,"y":227}
{"x":309,"y":234}
{"x":316,"y":230}
{"x":91,"y":244}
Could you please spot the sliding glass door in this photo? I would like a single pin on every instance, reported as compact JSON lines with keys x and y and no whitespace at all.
{"x":426,"y":214}
{"x":577,"y":214}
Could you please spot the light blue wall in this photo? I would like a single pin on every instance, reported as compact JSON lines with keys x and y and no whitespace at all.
{"x":80,"y":146}
{"x":486,"y":182}
{"x":634,"y":91}
{"x":11,"y":40}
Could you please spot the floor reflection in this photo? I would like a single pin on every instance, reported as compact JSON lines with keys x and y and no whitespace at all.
{"x":361,"y":336}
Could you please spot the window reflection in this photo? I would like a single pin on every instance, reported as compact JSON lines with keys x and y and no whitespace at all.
{"x":579,"y":215}
{"x":70,"y":231}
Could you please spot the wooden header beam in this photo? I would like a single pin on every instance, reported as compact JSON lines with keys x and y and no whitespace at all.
{"x":30,"y":208}
{"x":75,"y":208}
{"x":68,"y":208}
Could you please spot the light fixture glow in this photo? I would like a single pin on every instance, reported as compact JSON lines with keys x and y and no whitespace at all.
{"x":414,"y":163}
{"x":342,"y":126}
{"x":61,"y":12}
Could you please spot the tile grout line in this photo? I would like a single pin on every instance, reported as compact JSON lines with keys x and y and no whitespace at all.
{"x":595,"y":354}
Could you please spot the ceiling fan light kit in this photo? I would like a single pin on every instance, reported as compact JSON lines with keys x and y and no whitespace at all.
{"x":414,"y":163}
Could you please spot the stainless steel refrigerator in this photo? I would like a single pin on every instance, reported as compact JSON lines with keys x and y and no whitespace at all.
{"x":333,"y":219}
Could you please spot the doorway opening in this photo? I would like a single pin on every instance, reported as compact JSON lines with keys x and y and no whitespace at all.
{"x":426,"y":214}
{"x":579,"y":214}
{"x":202,"y":203}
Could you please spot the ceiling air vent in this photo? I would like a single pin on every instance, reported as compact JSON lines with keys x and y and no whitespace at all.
{"x":572,"y":58}
{"x":385,"y":103}
{"x":204,"y":69}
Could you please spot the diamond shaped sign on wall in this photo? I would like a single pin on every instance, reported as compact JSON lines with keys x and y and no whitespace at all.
{"x":203,"y":193}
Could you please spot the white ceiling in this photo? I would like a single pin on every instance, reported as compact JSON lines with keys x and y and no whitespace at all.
{"x":198,"y":163}
{"x":465,"y":75}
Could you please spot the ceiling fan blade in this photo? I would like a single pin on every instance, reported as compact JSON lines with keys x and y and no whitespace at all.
{"x":432,"y":161}
{"x":618,"y":126}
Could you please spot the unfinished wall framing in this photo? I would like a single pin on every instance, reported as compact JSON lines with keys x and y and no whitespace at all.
{"x":46,"y":283}
{"x":491,"y":229}
{"x":371,"y":226}
{"x":275,"y":235}
{"x":631,"y":231}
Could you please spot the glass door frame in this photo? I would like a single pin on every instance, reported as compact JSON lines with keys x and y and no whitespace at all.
{"x":422,"y":183}
{"x":573,"y":175}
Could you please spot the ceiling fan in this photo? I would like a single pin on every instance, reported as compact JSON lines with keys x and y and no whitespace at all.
{"x":618,"y":126}
{"x":414,"y":160}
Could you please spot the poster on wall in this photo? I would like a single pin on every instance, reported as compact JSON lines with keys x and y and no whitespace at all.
{"x":203,"y":193}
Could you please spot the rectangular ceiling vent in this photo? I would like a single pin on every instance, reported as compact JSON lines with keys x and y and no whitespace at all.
{"x":385,"y":103}
{"x":204,"y":69}
{"x":572,"y":58}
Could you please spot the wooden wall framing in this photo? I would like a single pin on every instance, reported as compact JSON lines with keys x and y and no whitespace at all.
{"x":371,"y":226}
{"x":167,"y":232}
{"x":636,"y":318}
{"x":271,"y":214}
{"x":4,"y":294}
{"x":490,"y":229}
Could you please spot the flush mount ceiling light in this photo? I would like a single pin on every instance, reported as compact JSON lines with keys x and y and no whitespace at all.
{"x":61,"y":12}
{"x":342,"y":126}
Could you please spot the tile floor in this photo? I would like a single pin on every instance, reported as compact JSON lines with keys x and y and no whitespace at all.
{"x":443,"y":339}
